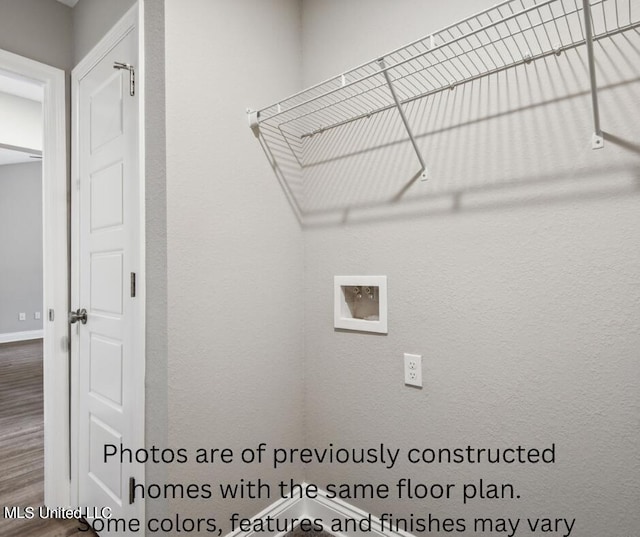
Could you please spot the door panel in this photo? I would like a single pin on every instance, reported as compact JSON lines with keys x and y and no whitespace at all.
{"x":107,"y":253}
{"x":106,"y":197}
{"x":106,"y":475}
{"x":106,"y":283}
{"x":106,"y":368}
{"x":106,"y":109}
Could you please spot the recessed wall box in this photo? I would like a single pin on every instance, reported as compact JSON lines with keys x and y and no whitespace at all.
{"x":360,"y":303}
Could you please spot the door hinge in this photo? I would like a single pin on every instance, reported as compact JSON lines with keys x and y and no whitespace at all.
{"x":133,"y":284}
{"x":132,"y":490}
{"x":132,"y":75}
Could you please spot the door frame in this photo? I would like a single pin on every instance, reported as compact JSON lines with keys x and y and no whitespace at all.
{"x":133,"y":18}
{"x":55,"y":272}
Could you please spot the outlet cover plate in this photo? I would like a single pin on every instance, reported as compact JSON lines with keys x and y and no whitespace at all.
{"x":413,"y":370}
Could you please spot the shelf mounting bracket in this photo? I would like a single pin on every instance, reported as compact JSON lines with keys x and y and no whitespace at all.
{"x":597,"y":139}
{"x":254,"y":121}
{"x":423,"y":166}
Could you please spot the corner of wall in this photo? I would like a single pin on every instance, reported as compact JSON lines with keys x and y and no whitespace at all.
{"x":156,"y":392}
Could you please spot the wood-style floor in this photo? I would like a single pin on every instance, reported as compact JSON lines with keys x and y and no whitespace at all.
{"x":22,"y":442}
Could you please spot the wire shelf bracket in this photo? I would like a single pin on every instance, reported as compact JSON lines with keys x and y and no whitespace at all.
{"x":597,"y":139}
{"x":405,"y":122}
{"x":510,"y":34}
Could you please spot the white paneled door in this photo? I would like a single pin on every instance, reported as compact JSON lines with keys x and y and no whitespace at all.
{"x":108,"y":375}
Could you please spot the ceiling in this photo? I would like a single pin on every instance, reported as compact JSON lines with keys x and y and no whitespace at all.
{"x":70,"y":3}
{"x":20,"y":86}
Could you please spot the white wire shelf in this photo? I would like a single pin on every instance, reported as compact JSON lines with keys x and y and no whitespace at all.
{"x":511,"y":33}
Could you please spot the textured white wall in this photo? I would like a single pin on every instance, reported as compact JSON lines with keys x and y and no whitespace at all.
{"x":234,"y":249}
{"x":513,"y":271}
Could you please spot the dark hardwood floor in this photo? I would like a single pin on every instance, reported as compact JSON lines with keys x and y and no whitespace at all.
{"x":22,"y":442}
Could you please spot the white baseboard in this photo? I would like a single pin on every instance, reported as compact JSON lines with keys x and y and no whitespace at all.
{"x":289,"y":508}
{"x":21,"y":336}
{"x":324,"y":508}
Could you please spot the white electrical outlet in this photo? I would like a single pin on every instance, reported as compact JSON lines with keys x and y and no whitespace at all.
{"x":413,"y":370}
{"x":22,"y":316}
{"x":36,"y":315}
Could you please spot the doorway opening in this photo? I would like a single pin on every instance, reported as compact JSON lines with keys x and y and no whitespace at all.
{"x":45,"y":316}
{"x":21,"y":285}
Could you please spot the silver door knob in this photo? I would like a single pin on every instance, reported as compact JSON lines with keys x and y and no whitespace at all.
{"x":80,"y":315}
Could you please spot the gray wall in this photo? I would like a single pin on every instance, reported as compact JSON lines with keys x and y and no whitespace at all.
{"x":234,"y":247}
{"x":157,"y":383}
{"x":41,"y":30}
{"x":92,"y":19}
{"x":37,"y":29}
{"x":513,"y":271}
{"x":20,"y":246}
